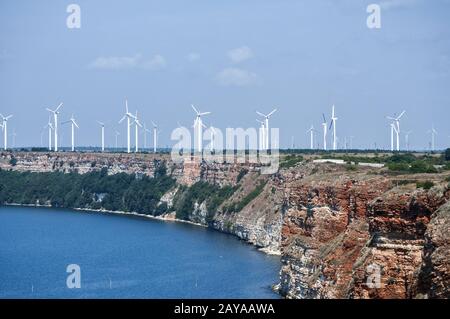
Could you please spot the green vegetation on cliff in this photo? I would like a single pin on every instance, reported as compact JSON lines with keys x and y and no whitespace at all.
{"x":238,"y":206}
{"x":214,"y":195}
{"x":95,"y":190}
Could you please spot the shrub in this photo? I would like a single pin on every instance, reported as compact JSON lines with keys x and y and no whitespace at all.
{"x":422,"y":167}
{"x":447,"y":154}
{"x":13,"y":161}
{"x":398,"y":167}
{"x":425,"y":185}
{"x":241,"y":174}
{"x":291,"y":161}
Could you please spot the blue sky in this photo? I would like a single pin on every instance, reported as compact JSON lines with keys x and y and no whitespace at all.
{"x":231,"y":58}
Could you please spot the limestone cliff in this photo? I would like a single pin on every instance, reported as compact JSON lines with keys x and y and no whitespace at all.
{"x":341,"y":232}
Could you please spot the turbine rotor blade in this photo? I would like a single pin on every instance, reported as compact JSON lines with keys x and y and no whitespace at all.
{"x":274,"y":110}
{"x":60,"y":104}
{"x":401,"y":114}
{"x":195,"y":110}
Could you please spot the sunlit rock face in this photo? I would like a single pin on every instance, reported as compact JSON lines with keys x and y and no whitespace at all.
{"x":338,"y":230}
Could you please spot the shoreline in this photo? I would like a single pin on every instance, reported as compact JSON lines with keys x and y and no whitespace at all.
{"x":115,"y":212}
{"x":264,"y":250}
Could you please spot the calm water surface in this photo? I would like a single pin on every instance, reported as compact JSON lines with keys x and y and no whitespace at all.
{"x":125,"y":257}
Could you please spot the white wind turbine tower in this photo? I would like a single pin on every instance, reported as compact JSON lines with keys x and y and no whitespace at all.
{"x":55,"y":124}
{"x":49,"y":126}
{"x":198,"y":127}
{"x":145,"y":131}
{"x":129,"y":117}
{"x":103,"y":134}
{"x":137,"y":124}
{"x":14,"y":135}
{"x":396,"y":127}
{"x":213,"y":139}
{"x":155,"y":136}
{"x":407,"y":139}
{"x":433,"y":138}
{"x":393,"y":129}
{"x":266,"y":126}
{"x":262,"y":135}
{"x":1,"y":125}
{"x":351,"y":142}
{"x":5,"y":130}
{"x":333,"y":125}
{"x":73,"y":124}
{"x":325,"y":132}
{"x":311,"y":131}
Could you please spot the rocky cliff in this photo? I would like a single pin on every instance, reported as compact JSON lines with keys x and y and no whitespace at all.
{"x":359,"y":235}
{"x":341,"y":232}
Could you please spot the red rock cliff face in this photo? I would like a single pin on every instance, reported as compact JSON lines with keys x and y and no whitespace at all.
{"x":341,"y":230}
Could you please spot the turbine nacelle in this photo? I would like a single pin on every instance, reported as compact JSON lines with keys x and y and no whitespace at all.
{"x":55,"y":111}
{"x":266,"y":116}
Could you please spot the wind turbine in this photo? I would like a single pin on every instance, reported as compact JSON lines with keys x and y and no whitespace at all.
{"x":103,"y":134}
{"x":266,"y":126}
{"x":145,"y":131}
{"x":262,"y":135}
{"x":129,"y":117}
{"x":49,"y":126}
{"x":333,"y":125}
{"x":433,"y":138}
{"x":5,"y":129}
{"x":325,"y":132}
{"x":311,"y":131}
{"x":55,"y":124}
{"x":213,"y":138}
{"x":137,"y":124}
{"x":73,"y":124}
{"x":393,"y":129}
{"x":396,"y":127}
{"x":198,"y":126}
{"x":13,"y":135}
{"x":407,"y":139}
{"x":155,"y":136}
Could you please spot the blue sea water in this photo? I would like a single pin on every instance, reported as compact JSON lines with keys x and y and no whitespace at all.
{"x":125,"y":257}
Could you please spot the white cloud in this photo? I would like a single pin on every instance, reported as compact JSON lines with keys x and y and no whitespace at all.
{"x":192,"y":57}
{"x":156,"y":62}
{"x":237,"y":77}
{"x":128,"y":62}
{"x":240,"y":54}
